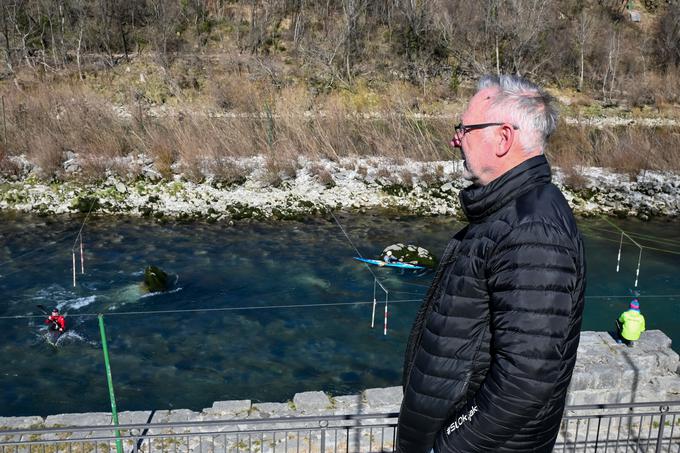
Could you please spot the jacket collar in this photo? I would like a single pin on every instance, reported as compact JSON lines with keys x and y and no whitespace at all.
{"x":478,"y":202}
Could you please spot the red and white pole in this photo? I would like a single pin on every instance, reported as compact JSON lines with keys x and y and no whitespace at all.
{"x":82,"y":259}
{"x":385,"y":330}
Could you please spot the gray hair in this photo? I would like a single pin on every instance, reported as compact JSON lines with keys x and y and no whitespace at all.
{"x":523,"y":104}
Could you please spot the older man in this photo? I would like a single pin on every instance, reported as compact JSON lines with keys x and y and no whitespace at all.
{"x":493,"y":347}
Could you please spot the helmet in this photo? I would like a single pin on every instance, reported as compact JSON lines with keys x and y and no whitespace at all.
{"x":55,"y":310}
{"x":635,"y":305}
{"x":389,"y":253}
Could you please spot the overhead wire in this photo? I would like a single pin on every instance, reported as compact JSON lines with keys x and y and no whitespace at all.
{"x":80,"y":231}
{"x":278,"y":307}
{"x":352,"y":244}
{"x":656,"y":249}
{"x":202,"y":310}
{"x":645,"y":237}
{"x":38,"y":249}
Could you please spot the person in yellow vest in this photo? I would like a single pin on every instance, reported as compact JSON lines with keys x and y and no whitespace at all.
{"x":630,"y":324}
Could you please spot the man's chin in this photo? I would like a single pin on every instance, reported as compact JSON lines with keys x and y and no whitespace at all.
{"x":467,"y":174}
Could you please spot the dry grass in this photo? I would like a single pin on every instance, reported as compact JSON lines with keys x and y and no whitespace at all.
{"x":625,"y":149}
{"x":46,"y":122}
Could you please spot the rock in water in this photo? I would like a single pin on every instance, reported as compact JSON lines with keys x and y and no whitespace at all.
{"x":411,"y":254}
{"x":155,"y":280}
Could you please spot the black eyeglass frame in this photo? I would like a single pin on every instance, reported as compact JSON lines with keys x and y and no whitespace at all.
{"x":461,"y":129}
{"x":465,"y":128}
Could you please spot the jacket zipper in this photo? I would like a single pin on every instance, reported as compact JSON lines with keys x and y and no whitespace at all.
{"x":447,"y":259}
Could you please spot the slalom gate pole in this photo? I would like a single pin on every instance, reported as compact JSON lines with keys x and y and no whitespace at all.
{"x":109,"y":380}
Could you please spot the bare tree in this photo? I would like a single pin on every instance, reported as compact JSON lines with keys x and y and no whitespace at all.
{"x":667,"y":37}
{"x":352,"y":10}
{"x":584,"y":34}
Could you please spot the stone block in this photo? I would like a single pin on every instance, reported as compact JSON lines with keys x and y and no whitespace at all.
{"x":668,"y":360}
{"x":311,"y":401}
{"x":596,"y":396}
{"x":18,"y":423}
{"x":654,"y":340}
{"x":232,"y":408}
{"x":349,"y":404}
{"x":382,"y":397}
{"x":661,"y":388}
{"x":133,"y":417}
{"x":87,"y":419}
{"x":643,"y":363}
{"x":15,"y":423}
{"x":175,"y":416}
{"x":271,"y":410}
{"x":670,"y":385}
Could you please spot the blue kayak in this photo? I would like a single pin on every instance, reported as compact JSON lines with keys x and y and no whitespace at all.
{"x":384,"y":264}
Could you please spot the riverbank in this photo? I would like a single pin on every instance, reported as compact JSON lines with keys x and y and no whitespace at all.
{"x":318,"y":187}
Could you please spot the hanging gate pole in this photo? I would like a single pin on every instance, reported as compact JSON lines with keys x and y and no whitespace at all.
{"x":109,"y":380}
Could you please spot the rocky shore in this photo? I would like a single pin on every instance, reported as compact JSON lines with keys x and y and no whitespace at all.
{"x":317,"y":187}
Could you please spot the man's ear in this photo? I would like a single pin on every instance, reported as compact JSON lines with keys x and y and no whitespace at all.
{"x":506,"y":137}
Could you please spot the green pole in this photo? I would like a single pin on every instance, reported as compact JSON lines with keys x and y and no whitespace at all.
{"x":109,"y":380}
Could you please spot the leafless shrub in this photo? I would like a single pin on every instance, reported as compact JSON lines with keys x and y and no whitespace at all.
{"x":279,"y":169}
{"x":667,"y":37}
{"x":406,"y":177}
{"x":574,"y":179}
{"x":431,"y":176}
{"x":238,"y":94}
{"x":384,"y":174}
{"x":322,"y":175}
{"x":227,"y":172}
{"x":161,"y":146}
{"x":46,"y":154}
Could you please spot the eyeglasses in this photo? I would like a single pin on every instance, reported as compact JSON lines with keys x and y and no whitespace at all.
{"x":462,"y":129}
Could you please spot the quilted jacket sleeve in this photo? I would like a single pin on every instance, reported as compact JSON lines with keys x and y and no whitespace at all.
{"x":532,"y":274}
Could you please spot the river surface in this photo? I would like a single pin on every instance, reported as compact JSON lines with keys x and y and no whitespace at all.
{"x":251,"y":314}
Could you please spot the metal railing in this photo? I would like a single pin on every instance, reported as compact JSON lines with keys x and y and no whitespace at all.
{"x":635,"y":427}
{"x":639,"y":427}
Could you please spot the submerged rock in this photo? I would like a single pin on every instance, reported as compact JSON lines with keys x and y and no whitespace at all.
{"x":86,"y":204}
{"x":155,"y":280}
{"x":411,"y":254}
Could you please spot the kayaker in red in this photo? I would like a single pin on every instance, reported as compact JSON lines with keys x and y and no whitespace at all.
{"x":56,"y":321}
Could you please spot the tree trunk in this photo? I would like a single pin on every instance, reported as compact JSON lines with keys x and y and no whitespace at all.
{"x":80,"y":41}
{"x":498,"y":60}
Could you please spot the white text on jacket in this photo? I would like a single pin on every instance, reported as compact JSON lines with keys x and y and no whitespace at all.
{"x":457,"y":423}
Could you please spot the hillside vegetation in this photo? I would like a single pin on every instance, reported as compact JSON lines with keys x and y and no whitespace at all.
{"x":196,"y":85}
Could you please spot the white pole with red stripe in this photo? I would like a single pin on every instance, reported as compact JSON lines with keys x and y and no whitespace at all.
{"x":375,"y":281}
{"x":385,"y":330}
{"x":82,"y":259}
{"x":618,"y":259}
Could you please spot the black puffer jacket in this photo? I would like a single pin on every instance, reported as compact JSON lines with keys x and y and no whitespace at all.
{"x":493,"y":347}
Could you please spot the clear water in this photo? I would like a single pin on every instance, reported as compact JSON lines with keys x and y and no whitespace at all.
{"x":190,"y":359}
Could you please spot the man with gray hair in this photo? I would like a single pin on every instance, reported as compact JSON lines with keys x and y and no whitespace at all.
{"x":493,"y":346}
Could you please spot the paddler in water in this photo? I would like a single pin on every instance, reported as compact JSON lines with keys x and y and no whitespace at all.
{"x":56,"y":321}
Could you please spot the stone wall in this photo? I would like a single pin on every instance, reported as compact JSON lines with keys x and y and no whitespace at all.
{"x":606,"y":372}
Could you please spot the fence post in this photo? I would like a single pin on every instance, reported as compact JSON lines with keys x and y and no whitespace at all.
{"x":323,"y":424}
{"x":659,"y":438}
